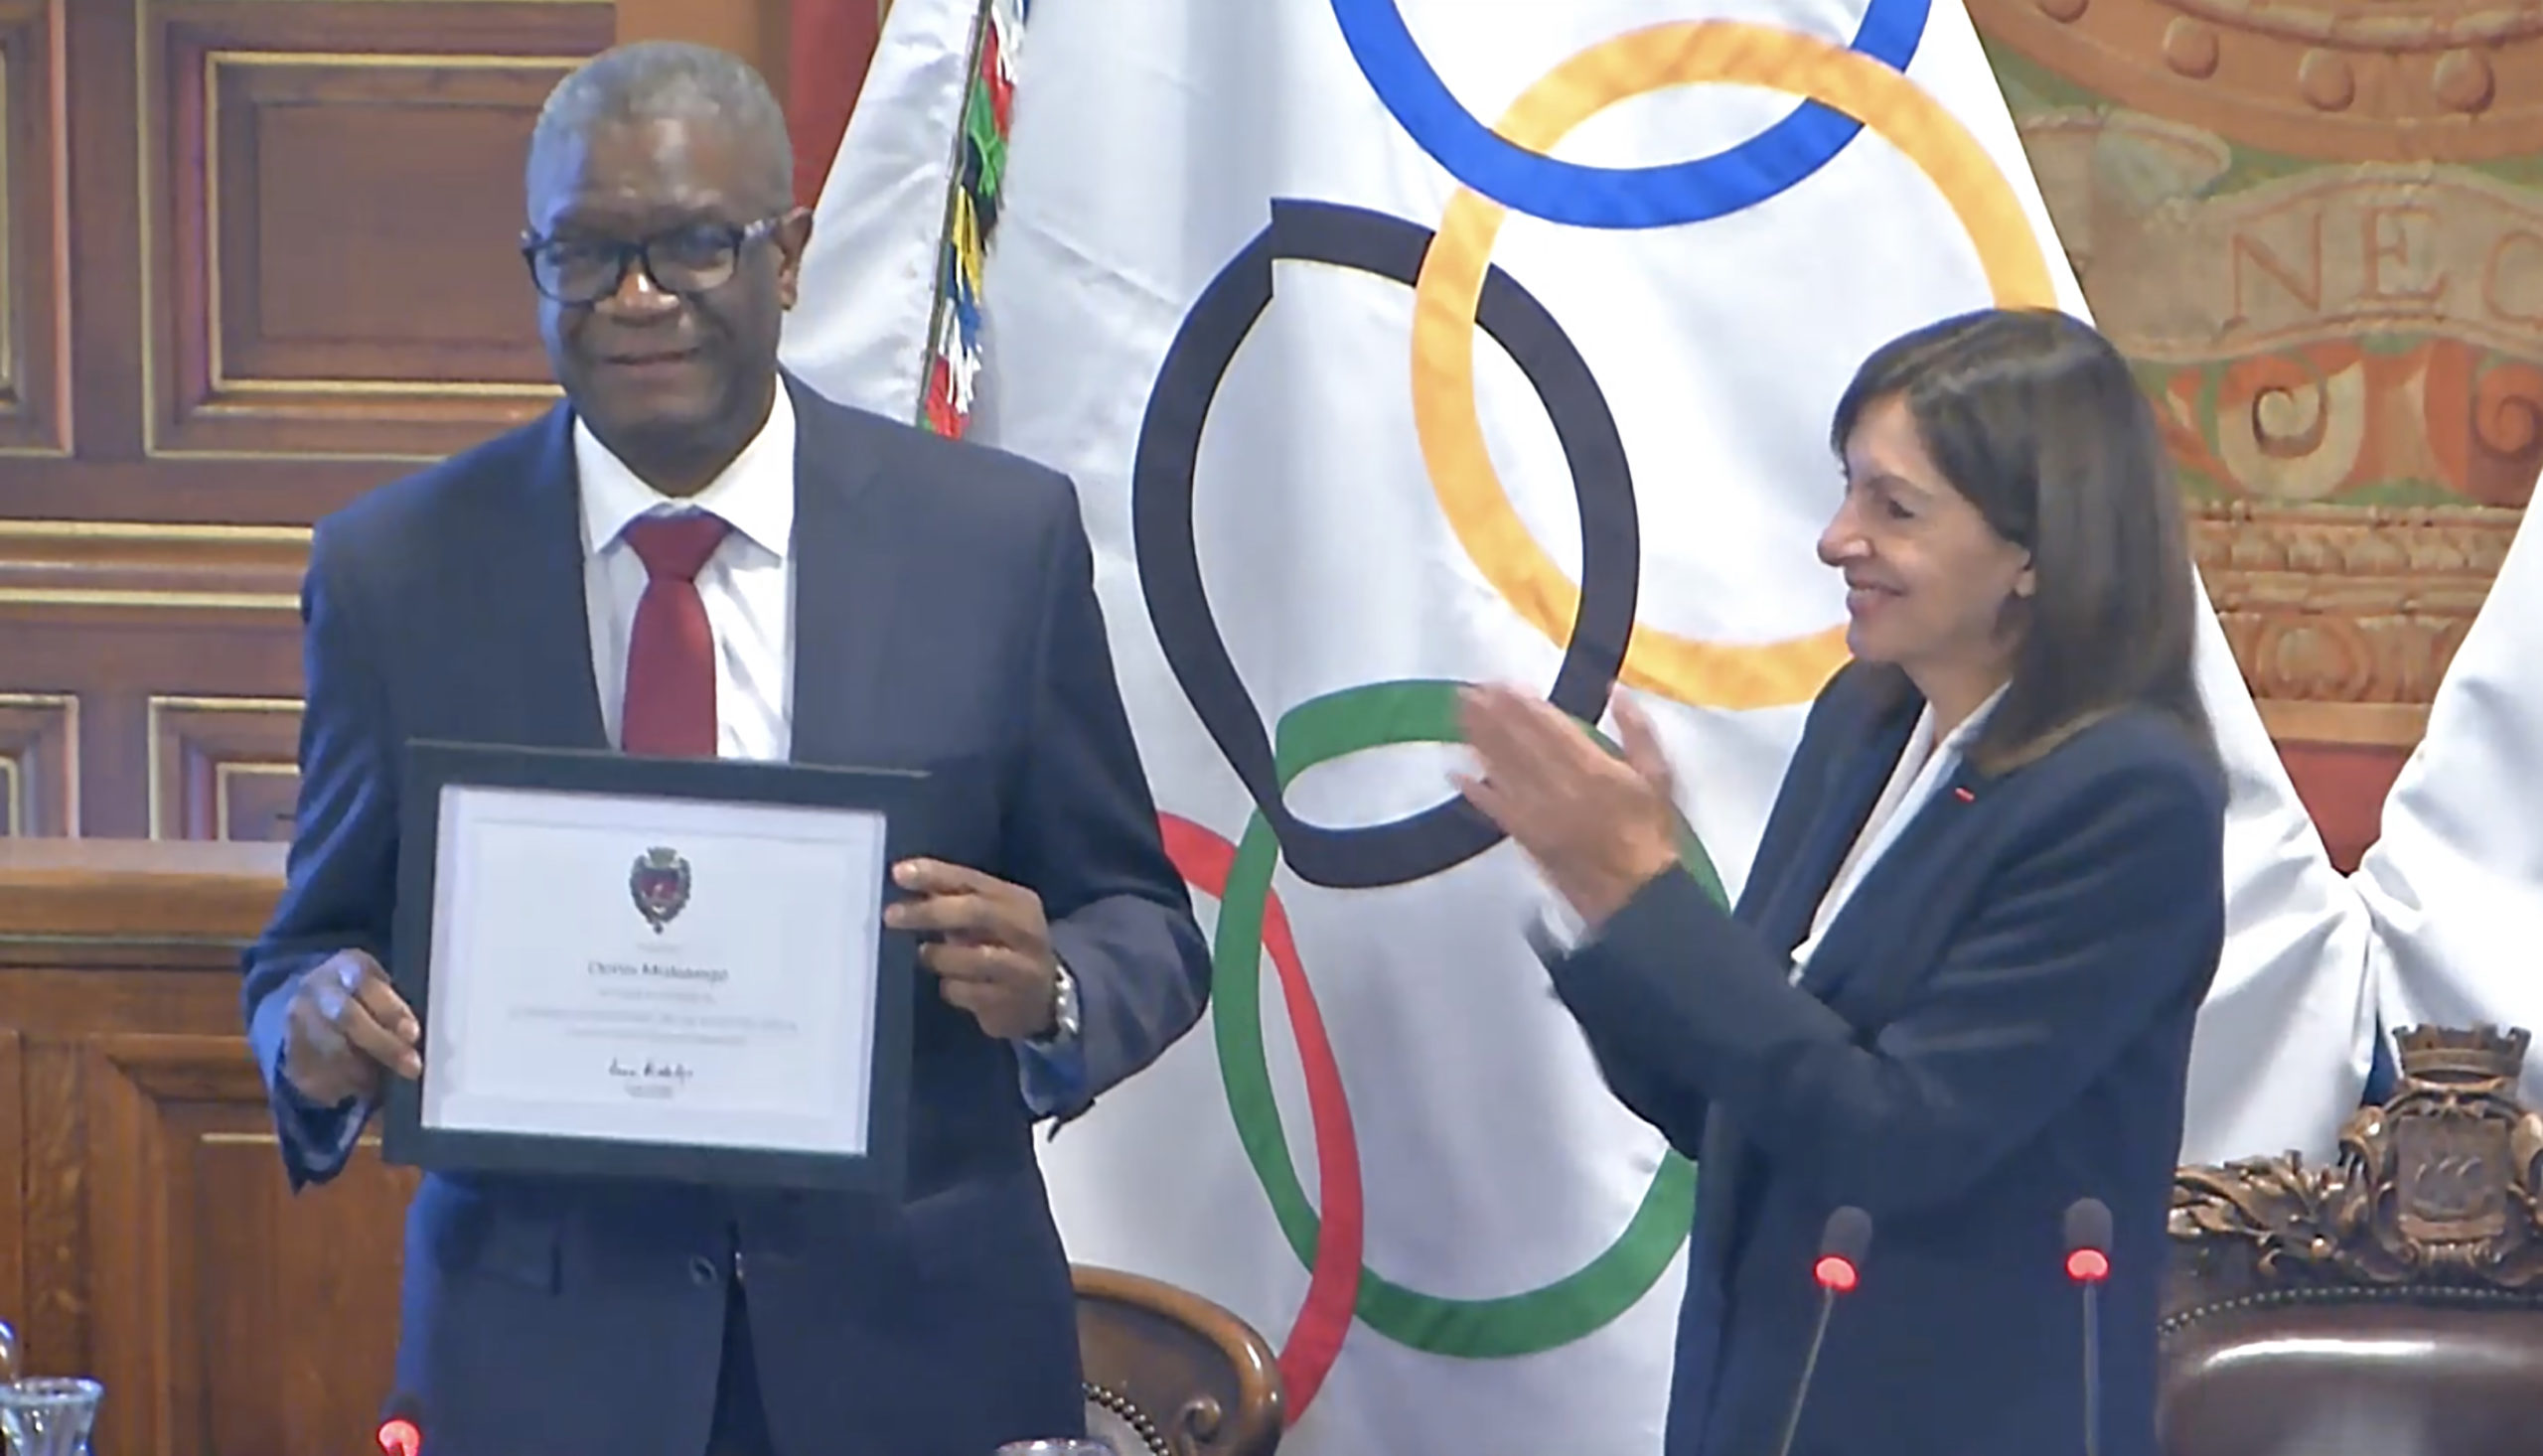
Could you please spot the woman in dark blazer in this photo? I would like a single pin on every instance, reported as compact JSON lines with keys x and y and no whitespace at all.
{"x":1959,"y":987}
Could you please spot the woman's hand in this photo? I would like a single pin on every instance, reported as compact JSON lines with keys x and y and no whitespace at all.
{"x":1599,"y":827}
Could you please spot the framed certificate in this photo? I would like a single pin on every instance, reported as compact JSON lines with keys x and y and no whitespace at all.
{"x":668,"y":968}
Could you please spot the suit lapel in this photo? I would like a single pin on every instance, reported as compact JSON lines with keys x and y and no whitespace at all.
{"x":1860,"y":775}
{"x":1859,"y":770}
{"x":846,"y":586}
{"x":541,"y":560}
{"x":1840,"y":969}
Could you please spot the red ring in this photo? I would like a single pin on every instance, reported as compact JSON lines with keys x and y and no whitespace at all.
{"x":1333,"y":1284}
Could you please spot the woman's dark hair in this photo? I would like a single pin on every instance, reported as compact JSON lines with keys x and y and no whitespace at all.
{"x":2033,"y":416}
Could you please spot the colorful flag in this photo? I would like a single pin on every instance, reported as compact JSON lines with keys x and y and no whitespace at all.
{"x":1398,"y":344}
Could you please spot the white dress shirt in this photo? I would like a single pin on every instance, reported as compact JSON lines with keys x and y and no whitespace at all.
{"x":748,"y":585}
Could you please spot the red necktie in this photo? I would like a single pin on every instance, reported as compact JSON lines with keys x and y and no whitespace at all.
{"x":669,"y":708}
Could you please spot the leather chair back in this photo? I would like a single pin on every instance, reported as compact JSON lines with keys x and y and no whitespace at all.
{"x":2390,"y":1304}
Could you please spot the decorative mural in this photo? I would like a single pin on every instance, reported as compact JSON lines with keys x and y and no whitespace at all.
{"x":2317,"y":226}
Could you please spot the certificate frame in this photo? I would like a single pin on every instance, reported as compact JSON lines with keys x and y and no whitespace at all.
{"x":435,"y":770}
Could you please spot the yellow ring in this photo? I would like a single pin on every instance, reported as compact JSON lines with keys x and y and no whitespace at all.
{"x":1687,"y":670}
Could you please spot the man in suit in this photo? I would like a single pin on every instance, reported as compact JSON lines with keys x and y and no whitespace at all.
{"x":695,"y":555}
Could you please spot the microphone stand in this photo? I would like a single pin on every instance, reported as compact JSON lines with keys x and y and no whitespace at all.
{"x":2092,"y":1363}
{"x":1809,"y":1368}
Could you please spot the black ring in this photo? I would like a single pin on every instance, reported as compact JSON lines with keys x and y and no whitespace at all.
{"x":1161,"y":492}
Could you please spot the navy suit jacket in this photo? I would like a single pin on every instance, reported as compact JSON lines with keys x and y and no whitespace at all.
{"x":944,"y":619}
{"x":1996,"y":1024}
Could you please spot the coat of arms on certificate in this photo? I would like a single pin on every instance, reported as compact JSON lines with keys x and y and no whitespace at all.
{"x":660,"y":885}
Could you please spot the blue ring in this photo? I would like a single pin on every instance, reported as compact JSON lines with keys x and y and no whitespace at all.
{"x":1696,"y":191}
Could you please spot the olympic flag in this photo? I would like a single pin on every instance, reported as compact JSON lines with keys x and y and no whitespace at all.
{"x":1395,"y":343}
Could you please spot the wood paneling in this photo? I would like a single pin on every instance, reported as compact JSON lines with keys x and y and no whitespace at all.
{"x":32,"y":218}
{"x":104,"y":618}
{"x":295,"y":227}
{"x":325,"y":303}
{"x":236,"y":1317}
{"x":39,"y":762}
{"x":332,"y":305}
{"x":296,"y":232}
{"x":147,"y":1234}
{"x":758,"y":31}
{"x":222,"y":767}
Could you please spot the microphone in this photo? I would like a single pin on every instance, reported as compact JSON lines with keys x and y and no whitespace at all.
{"x":1843,"y":1243}
{"x":2088,"y":1264}
{"x":401,"y":1430}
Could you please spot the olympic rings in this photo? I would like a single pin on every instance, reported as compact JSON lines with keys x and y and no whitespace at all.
{"x":1456,"y":290}
{"x":1318,"y":731}
{"x":1512,"y":172}
{"x":1169,"y":566}
{"x":1689,"y":669}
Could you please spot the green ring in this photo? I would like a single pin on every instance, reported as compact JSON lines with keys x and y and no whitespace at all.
{"x":1319,"y":731}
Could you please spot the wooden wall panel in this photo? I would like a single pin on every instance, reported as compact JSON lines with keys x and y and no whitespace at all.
{"x":39,"y":762}
{"x":332,"y":305}
{"x":233,"y":1316}
{"x":222,"y":767}
{"x":13,"y":1173}
{"x":296,"y":227}
{"x":103,"y":620}
{"x":147,"y":1234}
{"x":31,"y":179}
{"x":296,"y":224}
{"x":339,"y":236}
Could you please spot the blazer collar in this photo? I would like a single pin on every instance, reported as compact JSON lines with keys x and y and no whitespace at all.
{"x":1859,"y":767}
{"x":541,"y":559}
{"x":851,"y":575}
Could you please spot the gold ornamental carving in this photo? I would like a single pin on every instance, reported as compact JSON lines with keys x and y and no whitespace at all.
{"x":2436,"y":1189}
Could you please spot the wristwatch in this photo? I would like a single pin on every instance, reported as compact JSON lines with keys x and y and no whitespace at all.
{"x":1064,"y":1009}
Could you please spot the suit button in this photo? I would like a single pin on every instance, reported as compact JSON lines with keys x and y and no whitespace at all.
{"x":738,"y":1274}
{"x":702,"y":1270}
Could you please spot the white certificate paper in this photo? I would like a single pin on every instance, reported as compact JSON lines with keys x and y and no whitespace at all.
{"x":653,"y":969}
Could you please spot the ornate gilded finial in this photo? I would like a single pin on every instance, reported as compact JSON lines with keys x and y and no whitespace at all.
{"x":2457,"y":1056}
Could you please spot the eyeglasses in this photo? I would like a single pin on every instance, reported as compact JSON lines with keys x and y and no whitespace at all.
{"x":686,"y":262}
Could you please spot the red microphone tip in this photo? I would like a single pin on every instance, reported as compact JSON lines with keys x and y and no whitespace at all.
{"x":399,"y":1438}
{"x":1836,"y":1273}
{"x":2088,"y":1267}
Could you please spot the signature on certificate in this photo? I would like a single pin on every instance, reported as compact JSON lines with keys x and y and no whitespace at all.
{"x":648,"y":1077}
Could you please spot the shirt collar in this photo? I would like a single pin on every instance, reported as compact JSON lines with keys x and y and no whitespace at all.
{"x":755,"y":494}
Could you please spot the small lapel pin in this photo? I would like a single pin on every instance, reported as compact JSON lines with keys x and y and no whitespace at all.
{"x":1961,"y":792}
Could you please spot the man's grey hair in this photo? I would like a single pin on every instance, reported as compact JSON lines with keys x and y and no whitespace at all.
{"x":658,"y":80}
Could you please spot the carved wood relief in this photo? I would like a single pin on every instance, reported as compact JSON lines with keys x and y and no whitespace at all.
{"x":2317,"y":229}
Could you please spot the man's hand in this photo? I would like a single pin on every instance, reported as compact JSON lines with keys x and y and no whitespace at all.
{"x":345,"y":1024}
{"x":991,"y":945}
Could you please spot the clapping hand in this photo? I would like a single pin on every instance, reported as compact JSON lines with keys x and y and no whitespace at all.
{"x":1599,"y":827}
